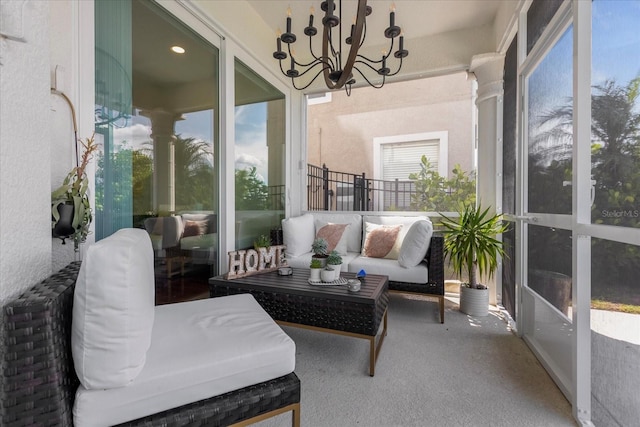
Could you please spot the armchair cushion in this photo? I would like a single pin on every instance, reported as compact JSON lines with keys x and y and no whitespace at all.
{"x":199,"y":349}
{"x":113,"y":310}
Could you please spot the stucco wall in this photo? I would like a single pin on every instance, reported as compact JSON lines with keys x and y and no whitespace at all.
{"x":341,"y":132}
{"x":25,"y":149}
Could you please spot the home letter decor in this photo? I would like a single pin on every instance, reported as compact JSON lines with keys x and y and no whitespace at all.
{"x":248,"y":262}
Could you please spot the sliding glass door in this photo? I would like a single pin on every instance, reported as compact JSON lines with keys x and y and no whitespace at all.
{"x":157,"y":118}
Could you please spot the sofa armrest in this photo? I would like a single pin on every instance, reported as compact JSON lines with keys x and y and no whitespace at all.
{"x":435,"y":260}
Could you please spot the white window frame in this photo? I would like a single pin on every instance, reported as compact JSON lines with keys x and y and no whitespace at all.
{"x":443,"y":149}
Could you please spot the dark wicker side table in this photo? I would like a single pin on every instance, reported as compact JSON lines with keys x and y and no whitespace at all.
{"x":292,"y":301}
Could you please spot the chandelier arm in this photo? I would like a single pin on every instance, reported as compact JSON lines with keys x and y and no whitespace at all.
{"x":367,"y":64}
{"x":398,"y":70}
{"x":325,"y":60}
{"x":367,"y":80}
{"x":308,"y":84}
{"x":312,"y":67}
{"x":368,"y":59}
{"x":364,"y":33}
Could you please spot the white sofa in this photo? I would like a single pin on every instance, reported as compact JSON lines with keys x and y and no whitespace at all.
{"x":414,"y":261}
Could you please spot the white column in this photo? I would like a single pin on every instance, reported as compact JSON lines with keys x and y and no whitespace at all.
{"x":489,"y":70}
{"x":163,"y":134}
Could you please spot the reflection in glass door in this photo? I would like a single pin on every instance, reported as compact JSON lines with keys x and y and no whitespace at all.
{"x":546,"y":297}
{"x":157,"y":116}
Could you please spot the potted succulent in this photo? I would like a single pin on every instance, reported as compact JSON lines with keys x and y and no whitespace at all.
{"x":262,"y":241}
{"x":327,"y":274}
{"x":71,"y":212}
{"x":471,"y":245}
{"x":335,"y":261}
{"x":315,"y":267}
{"x":319,"y":249}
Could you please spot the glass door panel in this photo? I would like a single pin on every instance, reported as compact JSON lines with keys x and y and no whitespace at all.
{"x":157,"y":113}
{"x":615,"y":186}
{"x":259,"y":157}
{"x":546,"y":300}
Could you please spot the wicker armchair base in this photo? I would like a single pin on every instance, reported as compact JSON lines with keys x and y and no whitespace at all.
{"x":39,"y":380}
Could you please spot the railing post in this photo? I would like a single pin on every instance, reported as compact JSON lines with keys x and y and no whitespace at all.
{"x":325,"y":186}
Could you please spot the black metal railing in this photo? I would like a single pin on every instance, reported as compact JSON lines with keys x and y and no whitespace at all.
{"x":343,"y":191}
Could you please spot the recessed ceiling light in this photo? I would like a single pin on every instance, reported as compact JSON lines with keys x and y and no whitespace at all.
{"x":177,"y":49}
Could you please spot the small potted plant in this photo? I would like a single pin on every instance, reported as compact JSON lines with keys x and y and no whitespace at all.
{"x":262,"y":241}
{"x":71,"y":212}
{"x":319,"y":249}
{"x":316,"y":267}
{"x":471,"y":245}
{"x":335,"y":261}
{"x":327,"y":274}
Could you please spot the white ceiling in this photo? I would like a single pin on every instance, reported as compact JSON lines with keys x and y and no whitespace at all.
{"x":418,"y":18}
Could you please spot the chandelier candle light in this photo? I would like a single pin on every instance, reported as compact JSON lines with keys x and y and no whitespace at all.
{"x":338,"y":73}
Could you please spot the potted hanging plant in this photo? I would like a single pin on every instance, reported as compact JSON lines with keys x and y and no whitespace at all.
{"x":319,"y":249}
{"x":71,"y":212}
{"x":471,"y":245}
{"x":334,"y":260}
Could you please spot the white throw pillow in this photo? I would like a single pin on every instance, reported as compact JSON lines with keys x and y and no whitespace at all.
{"x":415,"y":244}
{"x":298,"y":234}
{"x":113,"y":310}
{"x":334,"y":234}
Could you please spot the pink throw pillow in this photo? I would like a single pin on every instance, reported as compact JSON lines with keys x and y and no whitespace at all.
{"x":381,"y":241}
{"x":335,"y":235}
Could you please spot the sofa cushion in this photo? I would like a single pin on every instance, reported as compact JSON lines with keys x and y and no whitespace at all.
{"x":113,"y":310}
{"x":381,"y":241}
{"x":354,"y":232}
{"x":298,"y":234}
{"x":199,"y":349}
{"x":415,"y":244}
{"x":334,"y":234}
{"x":303,"y":261}
{"x":391,"y":268}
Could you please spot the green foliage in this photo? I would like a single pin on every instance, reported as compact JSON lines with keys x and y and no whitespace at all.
{"x":334,"y":258}
{"x":319,"y":246}
{"x":470,"y":242}
{"x":435,"y":193}
{"x":74,"y":191}
{"x":251,"y":192}
{"x":262,"y":241}
{"x":315,"y":263}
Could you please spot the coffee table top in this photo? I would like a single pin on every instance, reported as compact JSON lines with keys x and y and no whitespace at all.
{"x":372,"y":286}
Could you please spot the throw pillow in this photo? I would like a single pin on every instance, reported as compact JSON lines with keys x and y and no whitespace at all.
{"x":415,"y":244}
{"x":298,"y":234}
{"x":194,"y":228}
{"x":334,"y":234}
{"x":381,"y":241}
{"x":113,"y":310}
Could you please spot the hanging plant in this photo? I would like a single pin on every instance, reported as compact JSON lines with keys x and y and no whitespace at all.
{"x":71,"y":212}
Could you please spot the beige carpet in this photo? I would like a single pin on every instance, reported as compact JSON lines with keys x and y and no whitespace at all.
{"x":466,"y":372}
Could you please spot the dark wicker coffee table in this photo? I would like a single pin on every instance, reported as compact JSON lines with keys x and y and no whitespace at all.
{"x":292,"y":301}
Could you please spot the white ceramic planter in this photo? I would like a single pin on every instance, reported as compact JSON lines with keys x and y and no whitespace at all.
{"x":474,"y":302}
{"x":315,"y":274}
{"x":336,"y":270}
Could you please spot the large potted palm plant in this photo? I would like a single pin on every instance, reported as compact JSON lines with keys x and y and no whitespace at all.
{"x":471,"y":245}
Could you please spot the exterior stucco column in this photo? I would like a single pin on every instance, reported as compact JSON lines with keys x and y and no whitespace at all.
{"x":489,"y":70}
{"x":163,"y":135}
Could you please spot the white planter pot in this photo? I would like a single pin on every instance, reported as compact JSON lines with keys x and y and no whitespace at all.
{"x":327,"y":275}
{"x":336,"y":270}
{"x":315,"y":274}
{"x":474,"y":302}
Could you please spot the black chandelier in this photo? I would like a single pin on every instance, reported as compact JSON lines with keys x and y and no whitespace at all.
{"x":337,"y":72}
